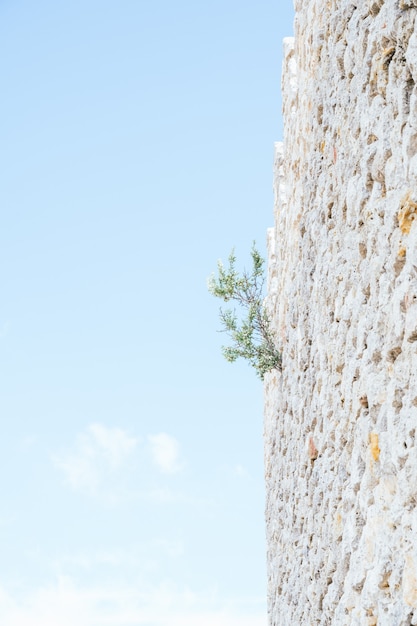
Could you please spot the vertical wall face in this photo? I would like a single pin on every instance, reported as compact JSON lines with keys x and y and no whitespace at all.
{"x":341,"y":419}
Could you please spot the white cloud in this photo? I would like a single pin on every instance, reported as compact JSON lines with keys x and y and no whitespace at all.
{"x":99,"y":453}
{"x":114,"y":443}
{"x":66,"y":604}
{"x":165,"y":452}
{"x":240,"y":471}
{"x":100,"y":464}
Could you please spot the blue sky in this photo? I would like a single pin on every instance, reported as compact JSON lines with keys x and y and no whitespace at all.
{"x":136,"y":150}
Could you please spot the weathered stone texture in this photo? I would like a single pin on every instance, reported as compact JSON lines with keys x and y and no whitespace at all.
{"x":341,"y":419}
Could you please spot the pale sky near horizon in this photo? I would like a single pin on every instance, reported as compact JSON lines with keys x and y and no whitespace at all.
{"x":136,"y":149}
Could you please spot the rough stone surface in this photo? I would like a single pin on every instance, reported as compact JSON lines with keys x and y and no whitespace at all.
{"x":341,"y":419}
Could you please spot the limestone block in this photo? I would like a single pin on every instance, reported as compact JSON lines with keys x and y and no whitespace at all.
{"x":411,"y":54}
{"x":408,"y":4}
{"x":375,"y":6}
{"x":409,"y":581}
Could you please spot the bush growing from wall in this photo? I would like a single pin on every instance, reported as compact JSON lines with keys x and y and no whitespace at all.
{"x":252,"y":336}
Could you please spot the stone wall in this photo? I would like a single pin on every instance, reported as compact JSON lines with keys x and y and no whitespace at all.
{"x":341,"y":419}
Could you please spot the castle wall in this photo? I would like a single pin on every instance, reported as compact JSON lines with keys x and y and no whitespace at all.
{"x":341,"y":418}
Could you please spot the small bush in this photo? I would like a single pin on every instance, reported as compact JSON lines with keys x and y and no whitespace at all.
{"x":251,"y":333}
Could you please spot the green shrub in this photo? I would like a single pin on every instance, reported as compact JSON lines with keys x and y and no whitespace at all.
{"x":251,"y":333}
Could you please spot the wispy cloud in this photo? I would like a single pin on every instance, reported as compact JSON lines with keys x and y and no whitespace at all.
{"x":165,"y":452}
{"x":102,"y":459}
{"x":240,"y":471}
{"x":99,"y":452}
{"x":134,"y":555}
{"x":114,"y":444}
{"x":66,"y":604}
